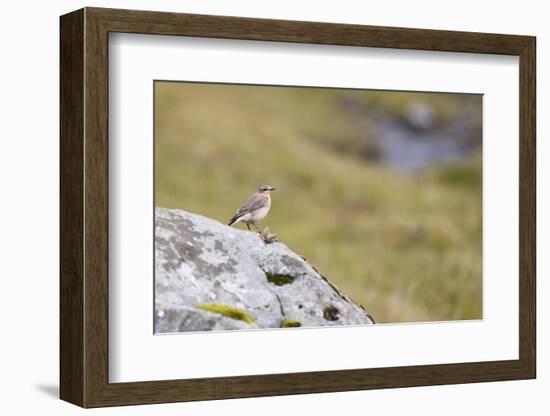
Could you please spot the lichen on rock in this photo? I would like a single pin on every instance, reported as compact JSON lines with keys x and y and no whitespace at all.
{"x":229,"y":311}
{"x":290,"y":323}
{"x":279,"y":279}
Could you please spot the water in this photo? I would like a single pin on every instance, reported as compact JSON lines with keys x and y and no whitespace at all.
{"x":410,"y":151}
{"x":415,"y":142}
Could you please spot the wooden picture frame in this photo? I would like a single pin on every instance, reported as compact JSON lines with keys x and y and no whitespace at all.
{"x":84,"y":207}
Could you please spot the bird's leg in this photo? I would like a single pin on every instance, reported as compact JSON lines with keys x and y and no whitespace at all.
{"x":248,"y":226}
{"x":256,"y":227}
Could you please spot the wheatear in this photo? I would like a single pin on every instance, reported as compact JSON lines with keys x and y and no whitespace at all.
{"x":255,"y":208}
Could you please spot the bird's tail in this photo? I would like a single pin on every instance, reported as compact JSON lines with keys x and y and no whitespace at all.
{"x":233,"y":220}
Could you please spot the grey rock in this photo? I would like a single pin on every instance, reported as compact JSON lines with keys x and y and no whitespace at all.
{"x":211,"y":277}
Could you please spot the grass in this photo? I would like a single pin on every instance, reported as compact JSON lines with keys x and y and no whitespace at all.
{"x":408,"y":248}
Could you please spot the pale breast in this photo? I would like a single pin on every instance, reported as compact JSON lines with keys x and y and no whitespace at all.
{"x":260,"y":214}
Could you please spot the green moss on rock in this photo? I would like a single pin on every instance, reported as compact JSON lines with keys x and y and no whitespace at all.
{"x":228,"y":311}
{"x":290,"y":323}
{"x":279,"y":279}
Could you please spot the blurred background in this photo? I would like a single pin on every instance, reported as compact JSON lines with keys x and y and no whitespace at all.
{"x":379,"y":190}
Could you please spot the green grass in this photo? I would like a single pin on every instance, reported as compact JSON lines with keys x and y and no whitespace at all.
{"x":408,"y":248}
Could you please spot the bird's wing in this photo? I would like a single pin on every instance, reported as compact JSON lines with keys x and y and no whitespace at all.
{"x":256,"y":201}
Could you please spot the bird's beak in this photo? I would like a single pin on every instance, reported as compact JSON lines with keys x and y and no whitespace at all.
{"x":273,"y":189}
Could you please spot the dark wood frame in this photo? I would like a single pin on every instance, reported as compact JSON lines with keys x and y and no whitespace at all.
{"x":84,"y":207}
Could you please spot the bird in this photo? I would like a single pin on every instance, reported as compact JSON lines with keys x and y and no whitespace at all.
{"x":255,"y":208}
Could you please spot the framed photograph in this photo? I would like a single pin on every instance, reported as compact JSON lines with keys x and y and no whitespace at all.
{"x":255,"y":207}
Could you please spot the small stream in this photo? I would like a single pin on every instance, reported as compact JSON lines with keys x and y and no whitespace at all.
{"x":416,"y":141}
